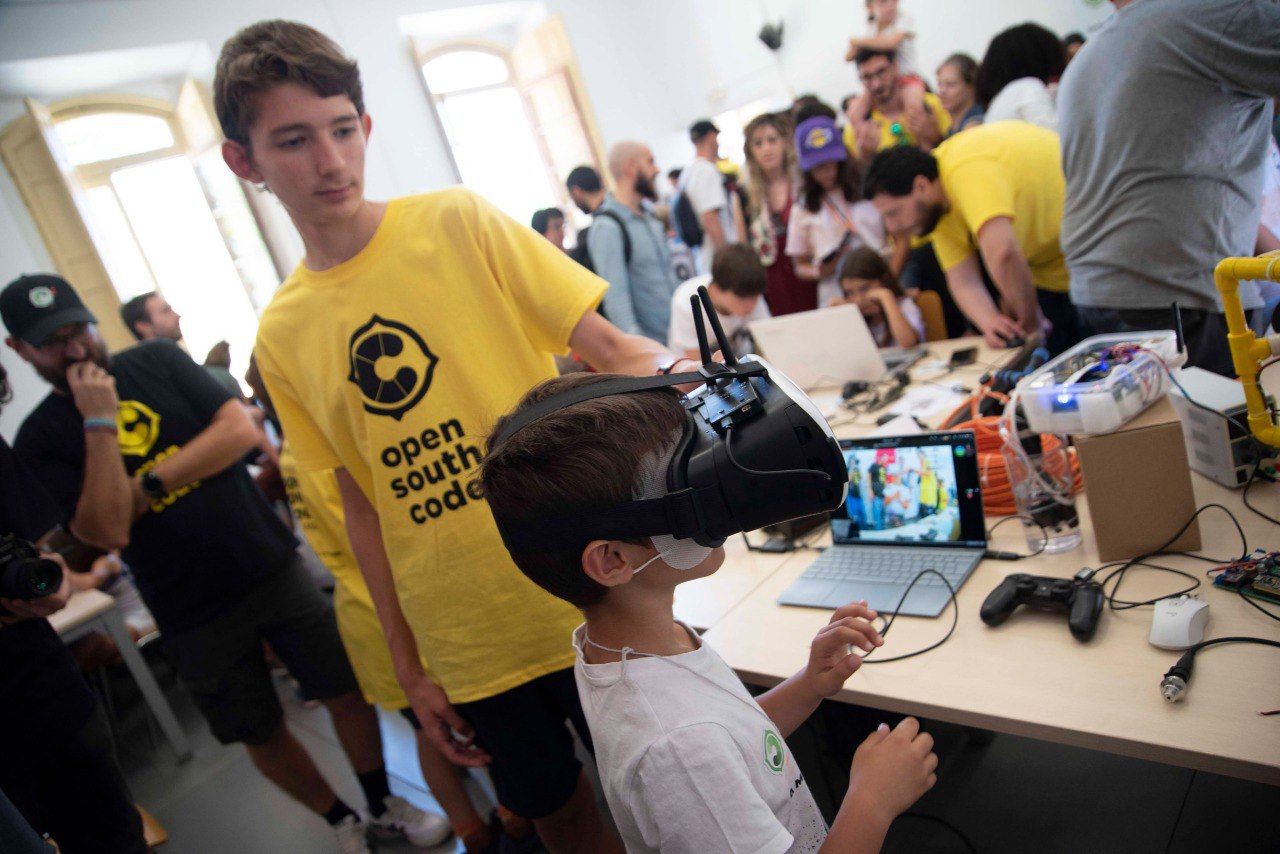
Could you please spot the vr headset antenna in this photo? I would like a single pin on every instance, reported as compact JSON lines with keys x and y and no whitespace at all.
{"x":701,"y":304}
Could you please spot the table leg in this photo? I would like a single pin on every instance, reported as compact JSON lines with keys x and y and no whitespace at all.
{"x":151,"y":692}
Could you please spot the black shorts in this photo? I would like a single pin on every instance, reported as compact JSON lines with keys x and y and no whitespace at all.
{"x":534,"y":767}
{"x":222,"y":664}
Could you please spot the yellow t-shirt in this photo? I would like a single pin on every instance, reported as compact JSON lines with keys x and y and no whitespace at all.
{"x":903,"y":136}
{"x":317,"y":505}
{"x":395,"y":364}
{"x":1011,"y":169}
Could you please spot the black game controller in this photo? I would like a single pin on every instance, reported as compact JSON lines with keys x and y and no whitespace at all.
{"x":1082,"y":600}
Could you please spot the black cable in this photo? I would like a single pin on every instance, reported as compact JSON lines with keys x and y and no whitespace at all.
{"x":969,"y":846}
{"x":728,"y":449}
{"x":1252,"y":602}
{"x":1125,"y":566}
{"x":1173,"y":832}
{"x":1247,"y":433}
{"x":997,"y":555}
{"x":955,"y":619}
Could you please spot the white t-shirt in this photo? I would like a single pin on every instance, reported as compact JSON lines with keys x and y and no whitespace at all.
{"x":1026,"y":99}
{"x":906,"y":52}
{"x":682,"y":336}
{"x":816,"y":235}
{"x":880,"y":329}
{"x":689,"y":761}
{"x":704,"y":186}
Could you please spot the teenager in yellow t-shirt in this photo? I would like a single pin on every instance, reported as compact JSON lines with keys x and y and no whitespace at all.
{"x":998,"y":191}
{"x":407,"y":330}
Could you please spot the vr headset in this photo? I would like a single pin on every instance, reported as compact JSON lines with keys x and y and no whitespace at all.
{"x":754,"y":451}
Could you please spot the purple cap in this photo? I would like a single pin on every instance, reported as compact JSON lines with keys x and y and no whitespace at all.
{"x":818,"y":141}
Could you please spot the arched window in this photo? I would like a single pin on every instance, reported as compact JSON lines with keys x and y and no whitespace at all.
{"x":149,"y":190}
{"x":488,"y":129}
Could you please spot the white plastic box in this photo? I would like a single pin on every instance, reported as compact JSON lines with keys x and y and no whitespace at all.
{"x":1071,"y":395}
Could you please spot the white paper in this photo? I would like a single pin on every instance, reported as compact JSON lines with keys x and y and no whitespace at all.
{"x":924,"y":401}
{"x":903,"y":425}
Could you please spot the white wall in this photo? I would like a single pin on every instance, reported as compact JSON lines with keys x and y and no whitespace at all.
{"x":650,"y":68}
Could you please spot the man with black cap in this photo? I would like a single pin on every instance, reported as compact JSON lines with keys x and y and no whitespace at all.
{"x":56,"y":765}
{"x":213,"y":562}
{"x":704,"y":186}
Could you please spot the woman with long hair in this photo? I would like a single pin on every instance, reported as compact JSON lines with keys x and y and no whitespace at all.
{"x":771,"y":182}
{"x":830,"y":217}
{"x":956,"y":77}
{"x":1015,"y":78}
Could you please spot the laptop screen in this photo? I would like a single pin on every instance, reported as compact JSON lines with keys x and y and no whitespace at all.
{"x":918,"y":490}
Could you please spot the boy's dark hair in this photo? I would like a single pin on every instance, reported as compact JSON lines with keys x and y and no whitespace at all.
{"x":134,"y":312}
{"x":866,"y":263}
{"x":584,"y":178}
{"x":1027,"y":50}
{"x":580,"y":457}
{"x":736,"y":267}
{"x":866,"y":54}
{"x":542,"y":219}
{"x":674,"y":174}
{"x":893,"y":171}
{"x":848,"y":181}
{"x":965,"y":64}
{"x":269,"y":53}
{"x":1072,"y":38}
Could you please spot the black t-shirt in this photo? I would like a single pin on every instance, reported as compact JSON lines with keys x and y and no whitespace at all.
{"x":201,"y":548}
{"x":42,"y":695}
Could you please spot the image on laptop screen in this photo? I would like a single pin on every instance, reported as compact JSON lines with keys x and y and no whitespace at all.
{"x":911,"y":490}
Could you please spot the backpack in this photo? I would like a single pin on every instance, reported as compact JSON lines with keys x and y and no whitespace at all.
{"x":582,"y":253}
{"x":685,"y":220}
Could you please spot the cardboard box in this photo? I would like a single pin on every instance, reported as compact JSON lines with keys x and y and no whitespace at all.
{"x":1139,"y":485}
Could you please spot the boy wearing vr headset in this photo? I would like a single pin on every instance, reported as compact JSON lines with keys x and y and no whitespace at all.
{"x":688,"y":759}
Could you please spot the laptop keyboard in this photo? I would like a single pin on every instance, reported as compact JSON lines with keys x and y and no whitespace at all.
{"x":894,"y":565}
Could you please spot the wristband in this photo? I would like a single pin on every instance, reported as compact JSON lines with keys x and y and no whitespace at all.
{"x":100,"y":425}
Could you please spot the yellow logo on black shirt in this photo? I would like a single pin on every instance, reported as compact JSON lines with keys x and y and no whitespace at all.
{"x":138,"y":427}
{"x":391,"y":365}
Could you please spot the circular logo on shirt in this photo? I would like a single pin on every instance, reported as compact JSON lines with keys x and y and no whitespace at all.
{"x":41,"y":297}
{"x":775,"y":754}
{"x":391,"y":365}
{"x":137,"y":428}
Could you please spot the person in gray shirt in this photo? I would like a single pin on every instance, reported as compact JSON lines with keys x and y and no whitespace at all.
{"x":1164,"y":117}
{"x":640,"y":285}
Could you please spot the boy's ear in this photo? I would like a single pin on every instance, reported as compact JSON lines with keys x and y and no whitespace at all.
{"x":609,"y":562}
{"x":237,"y":158}
{"x":366,"y":125}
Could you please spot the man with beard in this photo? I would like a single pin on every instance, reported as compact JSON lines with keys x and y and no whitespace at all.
{"x":640,"y":282}
{"x":996,"y":190}
{"x":215,"y":565}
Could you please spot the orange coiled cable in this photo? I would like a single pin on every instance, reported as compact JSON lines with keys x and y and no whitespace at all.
{"x":997,"y":490}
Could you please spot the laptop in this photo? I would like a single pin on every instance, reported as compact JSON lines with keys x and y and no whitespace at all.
{"x":825,"y":347}
{"x":914,"y":503}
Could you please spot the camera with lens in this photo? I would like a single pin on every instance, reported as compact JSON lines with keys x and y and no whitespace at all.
{"x":24,"y":574}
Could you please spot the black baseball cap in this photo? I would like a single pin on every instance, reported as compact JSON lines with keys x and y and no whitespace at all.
{"x":701,"y":128}
{"x":33,"y":307}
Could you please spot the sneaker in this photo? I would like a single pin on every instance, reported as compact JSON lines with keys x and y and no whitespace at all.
{"x":423,"y":829}
{"x":350,"y":834}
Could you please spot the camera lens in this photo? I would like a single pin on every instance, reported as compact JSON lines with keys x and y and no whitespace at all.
{"x":29,"y":578}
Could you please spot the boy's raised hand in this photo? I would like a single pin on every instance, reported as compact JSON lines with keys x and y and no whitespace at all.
{"x":830,"y":660}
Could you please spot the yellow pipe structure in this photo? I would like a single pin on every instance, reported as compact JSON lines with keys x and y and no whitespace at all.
{"x":1248,"y":351}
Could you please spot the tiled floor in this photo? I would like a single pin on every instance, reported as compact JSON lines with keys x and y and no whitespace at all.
{"x":1014,"y":795}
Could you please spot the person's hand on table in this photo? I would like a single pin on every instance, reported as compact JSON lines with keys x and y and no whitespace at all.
{"x":452,"y":735}
{"x":39,"y":609}
{"x":831,"y":662}
{"x":1000,"y":330}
